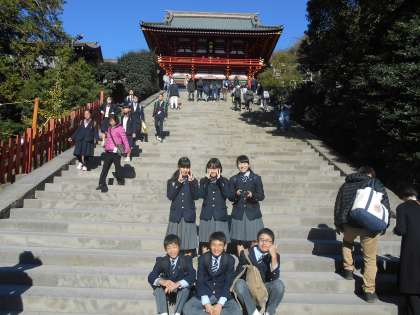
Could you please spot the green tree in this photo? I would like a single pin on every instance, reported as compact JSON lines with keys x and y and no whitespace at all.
{"x":364,"y":99}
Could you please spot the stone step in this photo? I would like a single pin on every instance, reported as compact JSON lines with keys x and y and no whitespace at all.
{"x":136,"y":278}
{"x":80,"y":179}
{"x":125,"y":301}
{"x":289,"y":190}
{"x":154,"y":240}
{"x":125,"y":197}
{"x":98,"y":215}
{"x":267,"y":208}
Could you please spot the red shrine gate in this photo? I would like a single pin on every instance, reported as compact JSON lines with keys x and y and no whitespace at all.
{"x":211,"y":45}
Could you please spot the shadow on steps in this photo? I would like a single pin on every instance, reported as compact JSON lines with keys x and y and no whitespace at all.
{"x":15,"y":282}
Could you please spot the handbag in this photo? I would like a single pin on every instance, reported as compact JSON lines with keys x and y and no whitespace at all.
{"x":368,"y":210}
{"x":120,"y":147}
{"x":143,"y":128}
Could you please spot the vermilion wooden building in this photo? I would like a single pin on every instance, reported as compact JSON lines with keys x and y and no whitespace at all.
{"x":211,"y":45}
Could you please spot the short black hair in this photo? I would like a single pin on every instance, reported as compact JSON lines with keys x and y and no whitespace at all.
{"x":266,"y":231}
{"x":367,"y":170}
{"x":214,"y":163}
{"x":242,"y":159}
{"x":407,"y":191}
{"x":171,"y":239}
{"x":184,"y":162}
{"x":217,"y":236}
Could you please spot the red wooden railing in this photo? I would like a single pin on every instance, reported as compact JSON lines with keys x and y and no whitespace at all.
{"x":23,"y":153}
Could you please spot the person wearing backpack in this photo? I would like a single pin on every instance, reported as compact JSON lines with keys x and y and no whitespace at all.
{"x":172,"y":277}
{"x":215,"y":274}
{"x":266,"y":259}
{"x":351,"y":229}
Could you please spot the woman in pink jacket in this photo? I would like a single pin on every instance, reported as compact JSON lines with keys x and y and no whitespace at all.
{"x":114,"y":136}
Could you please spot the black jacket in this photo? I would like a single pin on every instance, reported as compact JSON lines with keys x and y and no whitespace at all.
{"x":137,"y":114}
{"x":184,"y":270}
{"x":347,"y":194}
{"x":114,"y":110}
{"x":264,"y":267}
{"x":162,"y":107}
{"x":218,"y":283}
{"x":86,"y":134}
{"x":173,"y":90}
{"x":408,"y":218}
{"x":131,"y":125}
{"x":182,"y":196}
{"x":214,"y":195}
{"x":241,"y":204}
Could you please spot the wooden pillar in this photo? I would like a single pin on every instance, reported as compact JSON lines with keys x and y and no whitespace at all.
{"x":101,"y":97}
{"x":35,"y":116}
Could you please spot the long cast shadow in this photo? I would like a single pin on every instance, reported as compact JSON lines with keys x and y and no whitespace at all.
{"x":15,"y":281}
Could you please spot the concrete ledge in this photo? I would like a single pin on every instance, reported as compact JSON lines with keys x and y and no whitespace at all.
{"x":12,"y":196}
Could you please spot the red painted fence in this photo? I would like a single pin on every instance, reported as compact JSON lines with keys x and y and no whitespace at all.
{"x":23,"y":153}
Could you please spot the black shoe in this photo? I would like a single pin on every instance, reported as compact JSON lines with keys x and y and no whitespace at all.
{"x":347,"y":274}
{"x":371,"y":297}
{"x":102,"y":188}
{"x":121,"y":182}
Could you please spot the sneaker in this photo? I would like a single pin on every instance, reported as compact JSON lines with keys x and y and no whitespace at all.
{"x":127,"y":159}
{"x":159,"y":139}
{"x":79,"y":166}
{"x":347,"y":274}
{"x":84,"y":168}
{"x":371,"y":297}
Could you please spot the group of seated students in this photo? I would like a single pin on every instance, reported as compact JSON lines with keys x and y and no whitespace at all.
{"x":212,"y":288}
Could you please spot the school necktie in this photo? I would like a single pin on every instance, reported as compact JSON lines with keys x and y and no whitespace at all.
{"x":214,"y":265}
{"x":173,"y":264}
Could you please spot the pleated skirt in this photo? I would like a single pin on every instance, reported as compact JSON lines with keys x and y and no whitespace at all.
{"x":245,"y":229}
{"x":207,"y":227}
{"x":186,"y":231}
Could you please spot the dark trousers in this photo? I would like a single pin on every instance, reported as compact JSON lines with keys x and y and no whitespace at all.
{"x":191,"y":96}
{"x":412,"y":304}
{"x":159,"y":127}
{"x":199,"y":95}
{"x":237,"y":102}
{"x":275,"y":295}
{"x":109,"y":159}
{"x":162,"y":300}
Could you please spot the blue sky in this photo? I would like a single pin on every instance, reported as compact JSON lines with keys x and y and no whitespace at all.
{"x":115,"y":24}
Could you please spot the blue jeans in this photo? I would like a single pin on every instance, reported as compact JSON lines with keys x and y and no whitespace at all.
{"x":275,"y":295}
{"x":284,"y":119}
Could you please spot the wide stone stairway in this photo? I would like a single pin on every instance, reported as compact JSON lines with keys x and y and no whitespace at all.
{"x":74,"y":250}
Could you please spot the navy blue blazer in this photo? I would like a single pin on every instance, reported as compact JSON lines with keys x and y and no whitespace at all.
{"x":184,"y":270}
{"x":131,"y":125}
{"x":249,"y":206}
{"x":214,"y":195}
{"x":264,"y":267}
{"x":114,"y":110}
{"x":218,"y":283}
{"x":137,"y":114}
{"x":182,"y":196}
{"x":86,"y":134}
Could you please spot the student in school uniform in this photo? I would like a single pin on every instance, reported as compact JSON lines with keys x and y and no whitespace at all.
{"x":84,"y":138}
{"x":137,"y":115}
{"x":128,"y":124}
{"x":182,"y":191}
{"x":160,"y":113}
{"x":106,"y":110}
{"x":266,"y":258}
{"x":115,"y":136}
{"x":214,"y":189}
{"x":130,"y":98}
{"x":216,"y":270}
{"x":247,"y":193}
{"x":172,"y":277}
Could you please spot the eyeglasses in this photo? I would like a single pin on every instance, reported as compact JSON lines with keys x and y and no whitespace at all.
{"x":265,"y":241}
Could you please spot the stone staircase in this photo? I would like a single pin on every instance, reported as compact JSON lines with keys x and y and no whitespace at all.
{"x":73,"y":250}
